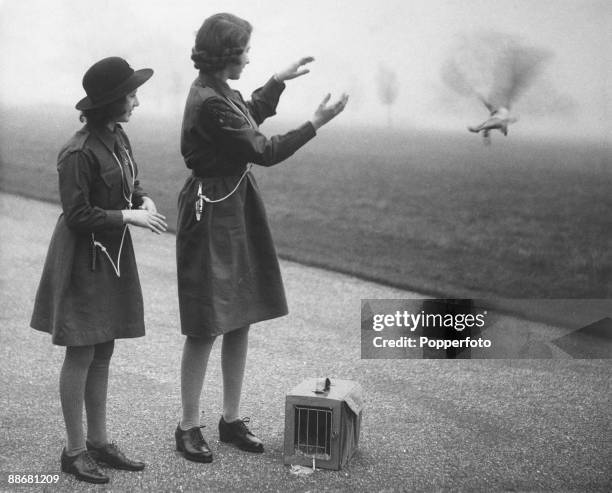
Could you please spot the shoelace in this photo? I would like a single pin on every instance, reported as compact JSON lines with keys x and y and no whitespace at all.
{"x":243,"y":424}
{"x":90,"y":462}
{"x":118,"y":452}
{"x":197,"y":435}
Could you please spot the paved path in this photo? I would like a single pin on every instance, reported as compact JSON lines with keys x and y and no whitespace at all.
{"x":428,"y":425}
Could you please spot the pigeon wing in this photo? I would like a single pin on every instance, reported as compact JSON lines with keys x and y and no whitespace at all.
{"x":455,"y":79}
{"x":492,"y":109}
{"x":515,"y":69}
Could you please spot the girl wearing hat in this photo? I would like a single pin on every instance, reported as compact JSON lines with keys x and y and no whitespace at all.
{"x":89,"y":294}
{"x":228,"y":272}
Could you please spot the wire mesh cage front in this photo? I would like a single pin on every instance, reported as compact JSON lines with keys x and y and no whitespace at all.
{"x":313,"y":432}
{"x":322,"y":427}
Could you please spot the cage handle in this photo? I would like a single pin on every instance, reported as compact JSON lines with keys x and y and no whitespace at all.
{"x":322,"y":386}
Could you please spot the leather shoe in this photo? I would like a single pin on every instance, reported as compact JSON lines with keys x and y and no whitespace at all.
{"x":83,"y":467}
{"x":192,"y":444}
{"x":237,"y":433}
{"x":110,"y":455}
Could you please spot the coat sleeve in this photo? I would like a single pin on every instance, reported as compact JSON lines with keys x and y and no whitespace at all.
{"x":76,"y":175}
{"x":138,"y":193}
{"x":242,"y":143}
{"x":264,"y":100}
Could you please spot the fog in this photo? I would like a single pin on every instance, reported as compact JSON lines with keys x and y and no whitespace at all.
{"x":48,"y":44}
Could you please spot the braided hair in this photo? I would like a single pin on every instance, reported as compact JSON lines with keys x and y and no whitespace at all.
{"x":220,"y":41}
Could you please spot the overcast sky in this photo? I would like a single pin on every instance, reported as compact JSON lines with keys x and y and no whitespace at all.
{"x":48,"y":44}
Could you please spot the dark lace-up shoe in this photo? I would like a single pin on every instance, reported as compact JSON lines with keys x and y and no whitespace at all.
{"x":192,"y":444}
{"x":110,"y":455}
{"x":83,"y":467}
{"x":238,"y":434}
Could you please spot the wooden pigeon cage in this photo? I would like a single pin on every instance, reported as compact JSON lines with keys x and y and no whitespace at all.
{"x":322,"y":422}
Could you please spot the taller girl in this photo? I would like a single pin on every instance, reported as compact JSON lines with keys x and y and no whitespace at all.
{"x":228,"y":272}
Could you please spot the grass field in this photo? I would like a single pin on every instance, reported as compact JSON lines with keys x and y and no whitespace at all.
{"x":439,"y":213}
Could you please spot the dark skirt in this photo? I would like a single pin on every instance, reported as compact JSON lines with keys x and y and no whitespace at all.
{"x":79,"y":306}
{"x":228,"y":272}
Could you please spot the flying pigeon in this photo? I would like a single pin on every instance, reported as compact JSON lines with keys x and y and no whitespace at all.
{"x":499,"y":118}
{"x":511,"y":68}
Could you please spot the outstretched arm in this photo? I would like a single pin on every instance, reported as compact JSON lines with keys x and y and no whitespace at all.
{"x":325,"y":112}
{"x":246,"y":144}
{"x":294,"y":70}
{"x":264,"y":100}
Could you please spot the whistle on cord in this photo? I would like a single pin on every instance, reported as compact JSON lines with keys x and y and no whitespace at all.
{"x":93,"y":255}
{"x":199,"y":204}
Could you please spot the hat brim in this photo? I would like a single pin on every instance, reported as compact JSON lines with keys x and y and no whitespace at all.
{"x":138,"y":78}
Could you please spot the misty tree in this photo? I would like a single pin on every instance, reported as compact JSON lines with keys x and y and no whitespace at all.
{"x":388,"y":88}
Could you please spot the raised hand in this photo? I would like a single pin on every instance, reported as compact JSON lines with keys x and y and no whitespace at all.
{"x":145,"y":219}
{"x":324,"y":113}
{"x":294,"y":70}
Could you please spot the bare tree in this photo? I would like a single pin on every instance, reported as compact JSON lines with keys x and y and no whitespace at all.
{"x":388,"y":89}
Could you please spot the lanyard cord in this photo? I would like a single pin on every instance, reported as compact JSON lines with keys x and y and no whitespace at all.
{"x":211,"y":201}
{"x":117,"y":266}
{"x":239,"y":110}
{"x":123,"y":174}
{"x":128,"y":199}
{"x":203,"y":198}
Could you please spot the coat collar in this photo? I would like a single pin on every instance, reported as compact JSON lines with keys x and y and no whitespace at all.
{"x":108,"y":138}
{"x":219,"y":86}
{"x":227,"y":92}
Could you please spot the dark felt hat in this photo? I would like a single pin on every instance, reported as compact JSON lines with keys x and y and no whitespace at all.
{"x":108,"y":80}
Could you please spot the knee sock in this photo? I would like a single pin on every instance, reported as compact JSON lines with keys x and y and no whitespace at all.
{"x":196,"y":352}
{"x":72,"y":394}
{"x":96,"y":388}
{"x":233,"y":360}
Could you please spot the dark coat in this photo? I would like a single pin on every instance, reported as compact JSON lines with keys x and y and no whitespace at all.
{"x":228,"y":272}
{"x":80,"y":299}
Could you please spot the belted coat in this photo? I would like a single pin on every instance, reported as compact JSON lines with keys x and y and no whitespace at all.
{"x":228,"y":272}
{"x":87,"y":295}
